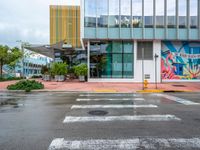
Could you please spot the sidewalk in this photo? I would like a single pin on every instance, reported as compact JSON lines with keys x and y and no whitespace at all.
{"x":77,"y":86}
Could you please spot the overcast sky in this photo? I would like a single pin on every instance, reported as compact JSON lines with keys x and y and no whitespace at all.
{"x":26,"y":20}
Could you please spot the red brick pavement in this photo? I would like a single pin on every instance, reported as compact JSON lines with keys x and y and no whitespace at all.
{"x":107,"y":87}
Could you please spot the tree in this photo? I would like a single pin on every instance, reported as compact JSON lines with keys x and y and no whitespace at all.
{"x":9,"y":57}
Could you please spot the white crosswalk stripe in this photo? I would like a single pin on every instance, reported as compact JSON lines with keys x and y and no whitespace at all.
{"x":106,"y":95}
{"x":112,"y":106}
{"x":177,"y":99}
{"x":76,"y":119}
{"x":126,"y":144}
{"x":110,"y":99}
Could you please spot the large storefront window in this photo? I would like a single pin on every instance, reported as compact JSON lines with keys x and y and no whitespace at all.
{"x":171,"y":13}
{"x":160,"y":13}
{"x":137,"y":13}
{"x":111,"y":60}
{"x":113,"y":18}
{"x":102,"y":13}
{"x":125,"y":13}
{"x":90,"y":13}
{"x":193,"y":13}
{"x":148,"y":13}
{"x":182,"y":9}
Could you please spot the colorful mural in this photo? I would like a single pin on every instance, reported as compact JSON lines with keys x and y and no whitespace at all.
{"x":180,"y":60}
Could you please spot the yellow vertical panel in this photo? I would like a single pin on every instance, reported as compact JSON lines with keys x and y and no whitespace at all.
{"x":54,"y":24}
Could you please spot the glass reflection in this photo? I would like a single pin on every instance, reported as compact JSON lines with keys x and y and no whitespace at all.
{"x":111,"y":60}
{"x":102,"y":13}
{"x":193,"y":13}
{"x":113,"y":18}
{"x":137,"y":13}
{"x":171,"y":13}
{"x":182,"y":9}
{"x":148,"y":13}
{"x":125,"y":13}
{"x":90,"y":13}
{"x":160,"y":13}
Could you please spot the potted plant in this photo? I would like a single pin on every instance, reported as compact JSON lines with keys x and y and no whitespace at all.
{"x":81,"y":71}
{"x":59,"y":70}
{"x":45,"y":73}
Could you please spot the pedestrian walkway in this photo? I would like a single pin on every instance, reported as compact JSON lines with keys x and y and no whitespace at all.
{"x":109,"y":87}
{"x":106,"y":102}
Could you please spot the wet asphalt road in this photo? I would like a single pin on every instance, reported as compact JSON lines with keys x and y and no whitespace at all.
{"x":32,"y":121}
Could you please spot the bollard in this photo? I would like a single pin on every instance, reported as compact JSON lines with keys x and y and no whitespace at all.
{"x":146,"y":84}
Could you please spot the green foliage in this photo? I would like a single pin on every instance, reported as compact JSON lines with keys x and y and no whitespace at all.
{"x":26,"y":85}
{"x":9,"y":56}
{"x":58,"y":68}
{"x":81,"y":70}
{"x":10,"y":79}
{"x":44,"y":70}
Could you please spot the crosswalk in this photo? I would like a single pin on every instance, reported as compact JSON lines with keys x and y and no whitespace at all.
{"x":111,"y":102}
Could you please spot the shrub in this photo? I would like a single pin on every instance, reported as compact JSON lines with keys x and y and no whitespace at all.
{"x":59,"y":69}
{"x":26,"y":85}
{"x":44,"y":70}
{"x":81,"y":70}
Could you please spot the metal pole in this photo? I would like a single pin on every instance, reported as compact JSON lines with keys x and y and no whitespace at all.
{"x":143,"y":68}
{"x":22,"y":47}
{"x":156,"y":56}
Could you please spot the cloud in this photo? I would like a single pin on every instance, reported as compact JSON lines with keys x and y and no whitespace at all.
{"x":27,"y":20}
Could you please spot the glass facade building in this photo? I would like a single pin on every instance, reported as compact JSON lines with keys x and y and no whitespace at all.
{"x":116,"y":31}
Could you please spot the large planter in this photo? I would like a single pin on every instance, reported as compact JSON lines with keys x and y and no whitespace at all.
{"x":46,"y":77}
{"x":59,"y":78}
{"x":82,"y":78}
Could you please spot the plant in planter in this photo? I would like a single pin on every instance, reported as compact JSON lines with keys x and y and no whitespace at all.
{"x":45,"y":73}
{"x":59,"y":70}
{"x":81,"y":71}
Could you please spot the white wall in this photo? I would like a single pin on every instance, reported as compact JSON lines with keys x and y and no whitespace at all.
{"x":149,"y":65}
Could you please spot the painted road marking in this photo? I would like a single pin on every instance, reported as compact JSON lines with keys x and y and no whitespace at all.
{"x":103,"y":95}
{"x":179,"y":100}
{"x":126,"y":144}
{"x":112,"y":106}
{"x":72,"y":119}
{"x":110,"y":99}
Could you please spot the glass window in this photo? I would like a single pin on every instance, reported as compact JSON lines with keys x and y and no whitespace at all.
{"x":102,"y":13}
{"x":148,"y":13}
{"x":111,"y":60}
{"x":171,"y":13}
{"x":90,"y":13}
{"x":193,"y":13}
{"x":182,"y":11}
{"x":160,"y":13}
{"x":113,"y":18}
{"x":137,"y":13}
{"x":148,"y":50}
{"x":125,"y":13}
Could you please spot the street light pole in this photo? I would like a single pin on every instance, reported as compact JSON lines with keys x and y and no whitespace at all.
{"x":142,"y":68}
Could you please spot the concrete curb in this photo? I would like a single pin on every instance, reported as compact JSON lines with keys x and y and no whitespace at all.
{"x":163,"y":91}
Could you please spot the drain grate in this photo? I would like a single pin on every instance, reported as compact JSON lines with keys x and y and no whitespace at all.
{"x":98,"y":112}
{"x":179,"y":85}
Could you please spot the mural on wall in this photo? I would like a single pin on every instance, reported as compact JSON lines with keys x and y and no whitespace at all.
{"x":180,"y":60}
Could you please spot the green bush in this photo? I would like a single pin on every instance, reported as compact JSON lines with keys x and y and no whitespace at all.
{"x":26,"y":85}
{"x":10,"y":79}
{"x":59,"y":69}
{"x":81,"y":70}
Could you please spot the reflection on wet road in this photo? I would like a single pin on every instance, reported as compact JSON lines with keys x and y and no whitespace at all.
{"x":99,"y":121}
